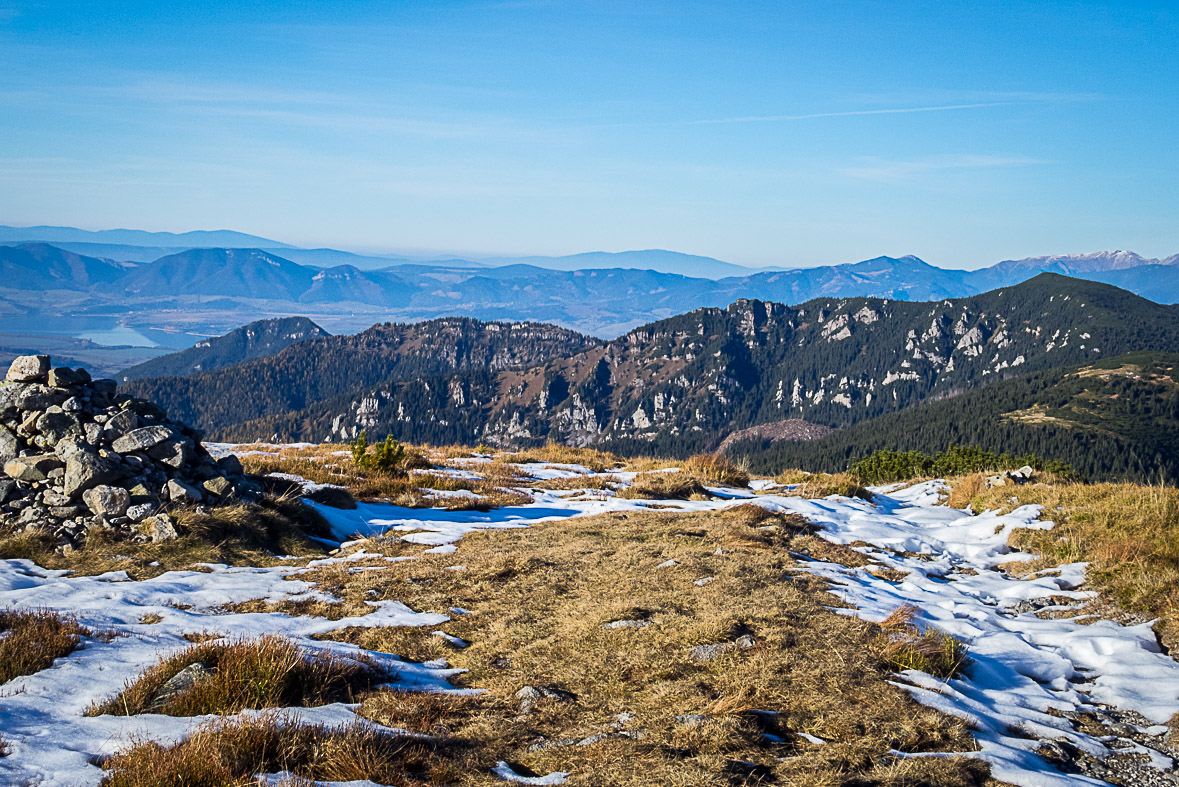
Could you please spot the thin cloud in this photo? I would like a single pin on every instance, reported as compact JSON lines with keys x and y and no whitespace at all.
{"x":886,"y":170}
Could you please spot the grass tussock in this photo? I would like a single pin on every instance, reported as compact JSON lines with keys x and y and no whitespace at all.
{"x":268,"y":672}
{"x":538,"y":600}
{"x":820,"y":485}
{"x":231,"y":752}
{"x":237,"y":534}
{"x":931,"y":650}
{"x":717,"y":470}
{"x":32,"y":641}
{"x":1128,"y":533}
{"x":664,"y":485}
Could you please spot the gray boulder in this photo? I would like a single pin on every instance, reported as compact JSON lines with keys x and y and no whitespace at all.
{"x":64,"y":377}
{"x":178,"y":684}
{"x":28,"y":368}
{"x":176,"y":452}
{"x":218,"y":486}
{"x":143,"y":438}
{"x":85,"y":470}
{"x":180,"y":492}
{"x":108,"y":501}
{"x":56,"y":426}
{"x":9,"y":444}
{"x":31,"y":468}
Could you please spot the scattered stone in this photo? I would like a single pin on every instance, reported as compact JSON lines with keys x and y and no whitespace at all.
{"x":178,"y":684}
{"x":628,"y":624}
{"x":706,"y":653}
{"x":703,"y":581}
{"x":159,"y":528}
{"x":530,"y":695}
{"x":668,"y":564}
{"x":28,"y":369}
{"x":745,"y":641}
{"x":692,"y":719}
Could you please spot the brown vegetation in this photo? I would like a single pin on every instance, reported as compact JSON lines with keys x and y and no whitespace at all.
{"x":268,"y":672}
{"x":31,"y":641}
{"x":231,"y":752}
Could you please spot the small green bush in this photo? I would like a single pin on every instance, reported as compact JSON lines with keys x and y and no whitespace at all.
{"x":388,"y":457}
{"x":884,"y":467}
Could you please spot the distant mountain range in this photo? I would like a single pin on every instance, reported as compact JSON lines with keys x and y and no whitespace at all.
{"x":115,"y":292}
{"x":172,"y":240}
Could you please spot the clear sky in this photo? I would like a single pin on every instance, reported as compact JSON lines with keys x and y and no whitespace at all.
{"x":763,"y":133}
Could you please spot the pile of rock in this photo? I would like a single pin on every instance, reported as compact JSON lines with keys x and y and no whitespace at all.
{"x":77,"y":455}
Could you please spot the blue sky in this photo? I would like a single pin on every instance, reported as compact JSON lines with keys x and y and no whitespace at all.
{"x":763,"y":133}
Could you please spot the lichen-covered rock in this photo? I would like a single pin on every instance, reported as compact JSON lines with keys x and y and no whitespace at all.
{"x":107,"y":501}
{"x":85,"y":470}
{"x":31,"y":468}
{"x":159,"y":528}
{"x":28,"y":368}
{"x":143,"y":438}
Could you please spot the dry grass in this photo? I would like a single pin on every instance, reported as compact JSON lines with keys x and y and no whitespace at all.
{"x":238,"y":534}
{"x":268,"y":672}
{"x":665,"y":485}
{"x":423,"y":487}
{"x":716,"y":469}
{"x":538,"y":600}
{"x":1128,"y":533}
{"x":820,"y":485}
{"x":32,"y":641}
{"x":230,"y":752}
{"x":930,"y":650}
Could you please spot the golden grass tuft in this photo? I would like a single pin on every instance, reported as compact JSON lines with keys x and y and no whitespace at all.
{"x":906,"y":646}
{"x":231,"y":752}
{"x":31,"y":641}
{"x":716,"y":469}
{"x":820,"y":485}
{"x":664,"y":485}
{"x":267,"y":672}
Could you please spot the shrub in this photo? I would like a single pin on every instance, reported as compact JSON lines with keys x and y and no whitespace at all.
{"x":389,"y":457}
{"x":885,"y":466}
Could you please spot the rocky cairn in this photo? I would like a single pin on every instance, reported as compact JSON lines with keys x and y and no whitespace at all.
{"x":77,"y":455}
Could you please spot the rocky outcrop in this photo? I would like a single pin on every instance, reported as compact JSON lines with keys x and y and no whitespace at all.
{"x":790,"y":429}
{"x":77,"y":455}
